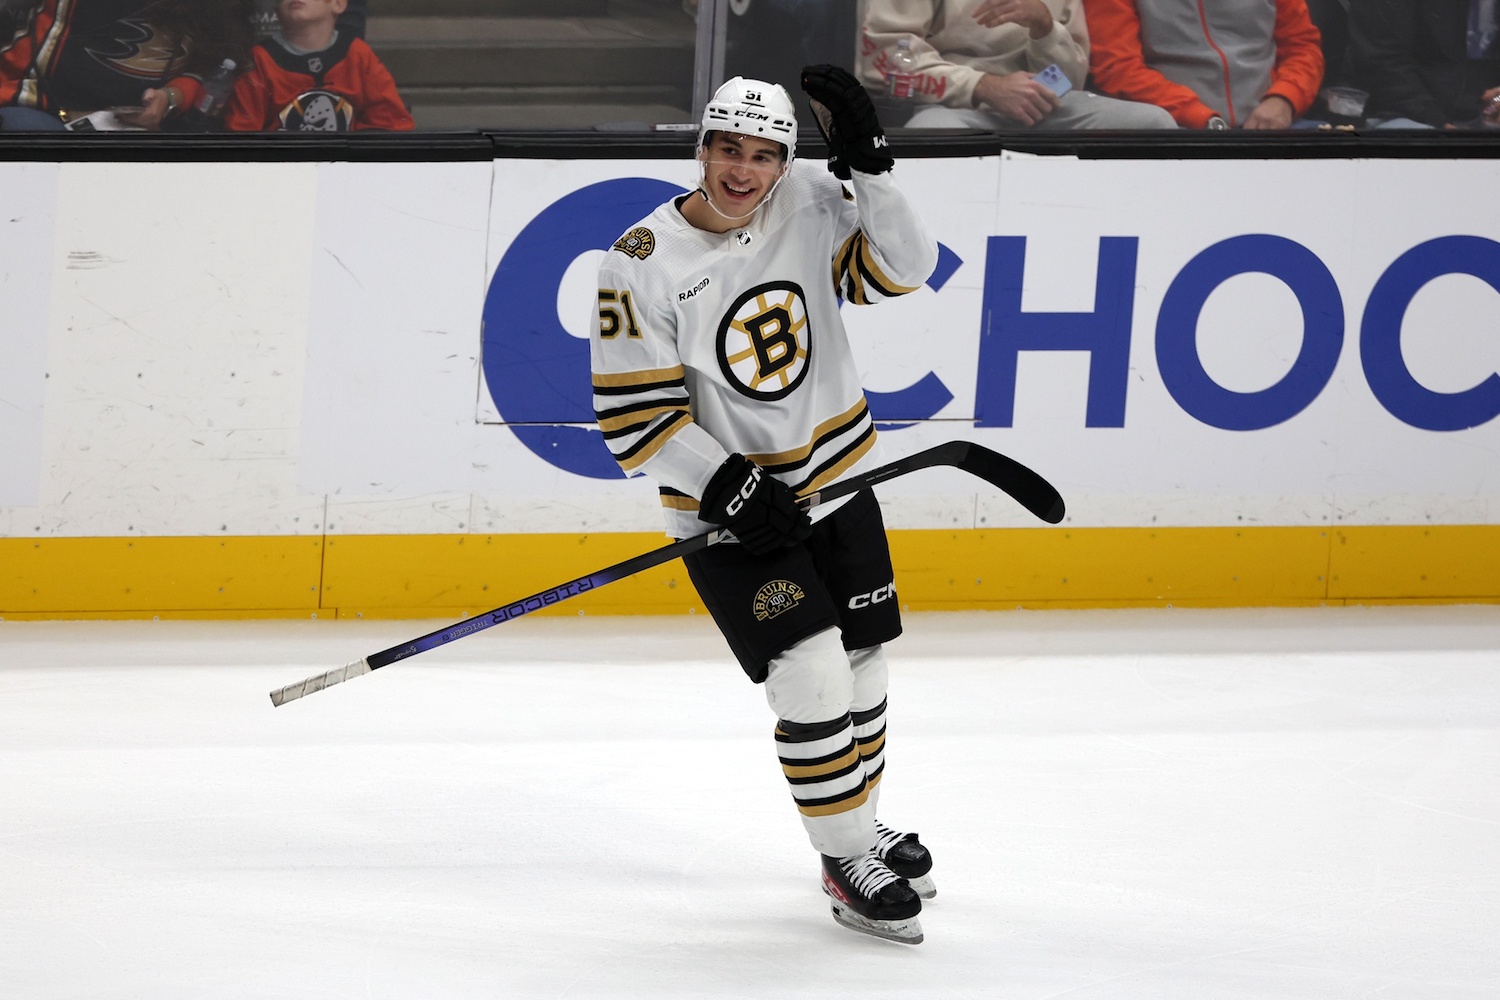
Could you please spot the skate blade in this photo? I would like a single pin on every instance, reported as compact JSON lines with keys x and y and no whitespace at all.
{"x":907,"y":931}
{"x":923,"y":886}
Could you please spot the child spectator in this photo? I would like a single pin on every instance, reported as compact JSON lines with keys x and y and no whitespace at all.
{"x":313,"y":77}
{"x":267,"y":24}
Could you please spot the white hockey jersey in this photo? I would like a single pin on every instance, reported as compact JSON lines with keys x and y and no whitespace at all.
{"x":712,"y":343}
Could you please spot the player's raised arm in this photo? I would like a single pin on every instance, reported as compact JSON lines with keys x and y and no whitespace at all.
{"x":886,"y":251}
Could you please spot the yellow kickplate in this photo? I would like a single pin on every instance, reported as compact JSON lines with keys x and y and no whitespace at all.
{"x":455,"y":576}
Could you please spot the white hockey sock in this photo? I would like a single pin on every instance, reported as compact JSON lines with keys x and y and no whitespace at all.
{"x":826,"y":773}
{"x":869,"y":735}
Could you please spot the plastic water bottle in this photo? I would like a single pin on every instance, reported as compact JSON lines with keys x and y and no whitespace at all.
{"x":901,"y":80}
{"x":216,"y":90}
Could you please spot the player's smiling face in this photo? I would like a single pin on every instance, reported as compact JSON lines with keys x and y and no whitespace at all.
{"x":740,"y":170}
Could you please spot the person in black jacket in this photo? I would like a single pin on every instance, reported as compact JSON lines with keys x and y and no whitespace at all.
{"x":1427,"y":62}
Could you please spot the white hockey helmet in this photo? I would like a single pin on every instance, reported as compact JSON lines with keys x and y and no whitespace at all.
{"x":752,"y":107}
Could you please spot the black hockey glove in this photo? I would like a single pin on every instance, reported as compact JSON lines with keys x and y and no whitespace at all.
{"x":761,"y":510}
{"x":846,"y":117}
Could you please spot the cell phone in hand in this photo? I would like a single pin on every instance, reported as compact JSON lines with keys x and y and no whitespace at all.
{"x":1054,"y":79}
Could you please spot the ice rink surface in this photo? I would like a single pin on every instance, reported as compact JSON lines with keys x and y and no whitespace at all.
{"x":1175,"y":805}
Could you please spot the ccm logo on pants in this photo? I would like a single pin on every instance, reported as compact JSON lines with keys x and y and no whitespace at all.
{"x":873,"y":597}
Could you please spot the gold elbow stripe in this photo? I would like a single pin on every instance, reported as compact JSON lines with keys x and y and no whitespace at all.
{"x":646,"y":448}
{"x":678,"y":501}
{"x":824,"y":768}
{"x":627,"y":418}
{"x":841,"y":258}
{"x":782,"y":461}
{"x":617,"y":383}
{"x":846,"y":277}
{"x":875,"y":276}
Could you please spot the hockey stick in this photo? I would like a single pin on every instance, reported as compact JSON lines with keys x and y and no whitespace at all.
{"x":1025,"y":486}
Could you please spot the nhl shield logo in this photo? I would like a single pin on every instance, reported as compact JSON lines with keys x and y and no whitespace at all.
{"x":776,"y":598}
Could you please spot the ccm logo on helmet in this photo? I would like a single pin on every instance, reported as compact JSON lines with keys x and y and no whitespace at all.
{"x":876,"y":596}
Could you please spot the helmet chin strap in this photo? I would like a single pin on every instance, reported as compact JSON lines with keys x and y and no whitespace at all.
{"x":703,"y":190}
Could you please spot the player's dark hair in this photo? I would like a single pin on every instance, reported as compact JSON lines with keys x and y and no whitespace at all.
{"x":708,"y":140}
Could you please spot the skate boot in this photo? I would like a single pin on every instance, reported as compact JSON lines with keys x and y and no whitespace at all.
{"x":868,"y":897}
{"x":906,"y":856}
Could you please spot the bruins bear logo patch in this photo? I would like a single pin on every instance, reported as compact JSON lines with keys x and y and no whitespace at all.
{"x":639,"y":242}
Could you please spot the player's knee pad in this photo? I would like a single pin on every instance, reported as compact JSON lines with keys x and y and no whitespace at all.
{"x":811,"y":681}
{"x":871,"y":675}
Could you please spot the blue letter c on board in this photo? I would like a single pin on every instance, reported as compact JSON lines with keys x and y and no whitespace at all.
{"x":1177,"y":332}
{"x":1380,"y":336}
{"x":538,"y":374}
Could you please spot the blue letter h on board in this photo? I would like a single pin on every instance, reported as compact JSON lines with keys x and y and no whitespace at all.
{"x":1006,"y":331}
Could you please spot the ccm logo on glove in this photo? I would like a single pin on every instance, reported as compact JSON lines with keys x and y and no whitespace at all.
{"x":737,"y":504}
{"x":759,"y":510}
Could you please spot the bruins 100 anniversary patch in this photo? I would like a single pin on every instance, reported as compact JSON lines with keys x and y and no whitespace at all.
{"x":639,"y":242}
{"x":775,"y":598}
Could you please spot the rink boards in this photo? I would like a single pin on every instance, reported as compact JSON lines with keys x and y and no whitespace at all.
{"x":356,"y":388}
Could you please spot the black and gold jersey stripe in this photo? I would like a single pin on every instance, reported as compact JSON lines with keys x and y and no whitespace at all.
{"x":795,"y":458}
{"x":857,"y":275}
{"x":839,"y":463}
{"x":651,"y":441}
{"x":651,"y":380}
{"x":619,"y":420}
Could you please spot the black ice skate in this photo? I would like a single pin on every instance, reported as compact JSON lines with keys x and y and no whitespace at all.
{"x":868,"y":897}
{"x":906,"y":856}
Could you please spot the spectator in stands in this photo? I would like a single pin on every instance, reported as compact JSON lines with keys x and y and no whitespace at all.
{"x":313,"y":77}
{"x":1331,"y":18}
{"x":976,"y":64}
{"x":62,"y":61}
{"x":1253,"y":64}
{"x":1426,"y":62}
{"x":267,"y":24}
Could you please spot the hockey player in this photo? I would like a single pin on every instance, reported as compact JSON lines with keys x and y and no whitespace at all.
{"x":722,"y":370}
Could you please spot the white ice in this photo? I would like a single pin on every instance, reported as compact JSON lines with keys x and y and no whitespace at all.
{"x":1157,"y":804}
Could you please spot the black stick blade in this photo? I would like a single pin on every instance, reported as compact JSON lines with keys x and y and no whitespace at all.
{"x":1025,"y":486}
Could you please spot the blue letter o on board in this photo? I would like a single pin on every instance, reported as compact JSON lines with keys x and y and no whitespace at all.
{"x":537,"y":373}
{"x":1380,"y":336}
{"x":1177,"y":332}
